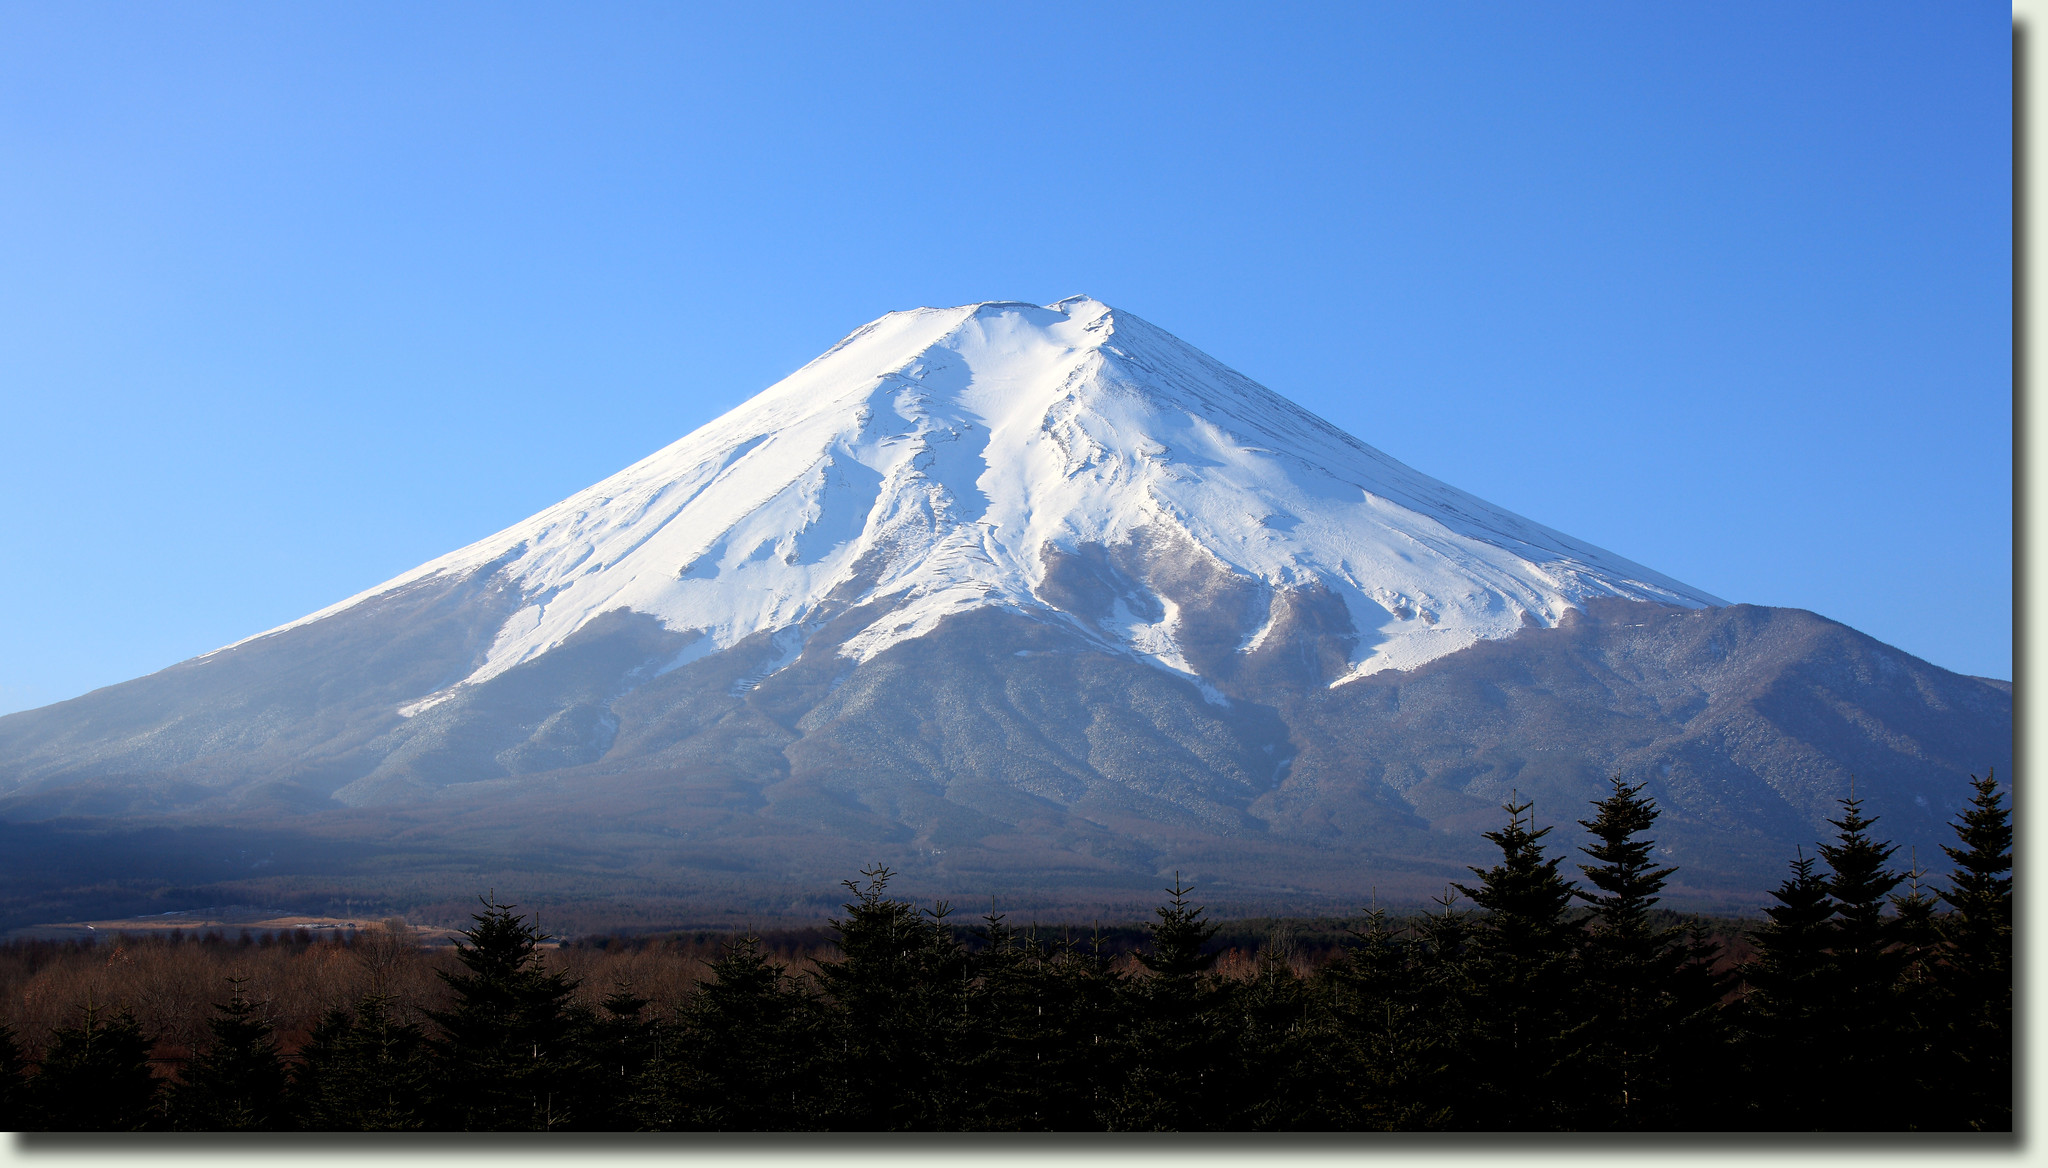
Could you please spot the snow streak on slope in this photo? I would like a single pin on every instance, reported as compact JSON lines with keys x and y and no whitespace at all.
{"x":934,"y":458}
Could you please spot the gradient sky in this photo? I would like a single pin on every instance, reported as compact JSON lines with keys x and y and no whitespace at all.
{"x":295,"y":297}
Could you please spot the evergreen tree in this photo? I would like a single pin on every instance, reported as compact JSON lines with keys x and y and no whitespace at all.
{"x":1864,"y":1018}
{"x":1178,"y":937}
{"x":13,"y":1092}
{"x":239,"y":1083}
{"x":1861,"y":882}
{"x":1523,"y":971}
{"x":1632,"y":971}
{"x":626,"y":1045}
{"x":1389,"y":1051}
{"x":1786,"y":1007}
{"x":900,"y":994}
{"x":95,"y":1076}
{"x":363,"y":1070}
{"x":1920,"y":1036}
{"x":1442,"y":959}
{"x":512,"y":1055}
{"x":1703,"y":1069}
{"x":1040,"y":1015}
{"x":1174,"y":1054}
{"x":1282,"y":1067}
{"x":1975,"y":973}
{"x":746,"y":1055}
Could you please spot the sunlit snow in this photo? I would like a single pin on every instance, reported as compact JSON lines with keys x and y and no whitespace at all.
{"x":929,"y":458}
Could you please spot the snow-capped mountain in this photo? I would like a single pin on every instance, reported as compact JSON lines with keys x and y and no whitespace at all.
{"x":1003,"y":596}
{"x":938,"y":461}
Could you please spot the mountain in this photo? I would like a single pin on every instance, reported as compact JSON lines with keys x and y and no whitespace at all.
{"x":1025,"y":597}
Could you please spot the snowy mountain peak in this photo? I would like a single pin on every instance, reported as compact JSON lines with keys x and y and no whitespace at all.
{"x":1069,"y":461}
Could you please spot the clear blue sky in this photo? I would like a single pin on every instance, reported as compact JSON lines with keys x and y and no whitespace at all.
{"x":296,"y":296}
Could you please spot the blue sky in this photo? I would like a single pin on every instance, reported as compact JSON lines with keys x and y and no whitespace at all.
{"x":294,"y":297}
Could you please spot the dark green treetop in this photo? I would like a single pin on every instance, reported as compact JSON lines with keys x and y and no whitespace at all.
{"x":238,"y":1084}
{"x":95,"y":1076}
{"x":1975,"y":973}
{"x":13,"y":1092}
{"x":1522,"y":997}
{"x":363,"y":1070}
{"x":513,"y":1048}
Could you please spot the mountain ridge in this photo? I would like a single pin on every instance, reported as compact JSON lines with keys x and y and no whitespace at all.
{"x":940,"y":456}
{"x":1039,"y":593}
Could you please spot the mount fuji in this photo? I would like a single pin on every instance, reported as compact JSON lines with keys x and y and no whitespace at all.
{"x":1014,"y":598}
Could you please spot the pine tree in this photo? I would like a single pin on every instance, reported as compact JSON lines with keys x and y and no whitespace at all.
{"x":1039,"y":1013}
{"x":13,"y":1092}
{"x":1283,"y":1062}
{"x":1865,"y":1014}
{"x":900,"y":994}
{"x":1442,"y":957}
{"x":1786,"y":1007}
{"x":1861,"y":883}
{"x":1178,"y":937}
{"x":1976,"y":971}
{"x":1921,"y":1004}
{"x":625,"y":1043}
{"x":1523,"y":970}
{"x":1389,"y":1048}
{"x":746,"y":1054}
{"x":1704,"y":1069}
{"x":996,"y":1056}
{"x":362,"y":1070}
{"x":320,"y":1075}
{"x":1632,"y":970}
{"x":513,"y":1049}
{"x":1174,"y":1054}
{"x":95,"y":1076}
{"x":239,"y":1083}
{"x":1046,"y":1025}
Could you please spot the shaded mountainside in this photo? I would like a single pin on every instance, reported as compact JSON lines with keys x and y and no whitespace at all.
{"x":1003,"y":595}
{"x":1013,"y":752}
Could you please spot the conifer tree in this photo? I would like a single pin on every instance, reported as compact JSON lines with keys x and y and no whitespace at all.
{"x":1174,"y":1055}
{"x":1704,"y":1071}
{"x":1786,"y":1007}
{"x":1025,"y":1058}
{"x":320,"y":1075}
{"x":1442,"y":958}
{"x":1178,"y":937}
{"x":901,"y":997}
{"x":1865,"y":1011}
{"x":1921,"y":1049}
{"x":95,"y":1076}
{"x":1861,"y":881}
{"x":1389,"y":1047}
{"x":1040,"y":1013}
{"x":1282,"y":1066}
{"x":238,"y":1084}
{"x":363,"y":1070}
{"x":512,"y":1055}
{"x":747,"y":1052}
{"x":1976,"y":971}
{"x":1523,"y":971}
{"x":625,"y":1043}
{"x":997,"y":1054}
{"x":13,"y":1092}
{"x":1632,"y":969}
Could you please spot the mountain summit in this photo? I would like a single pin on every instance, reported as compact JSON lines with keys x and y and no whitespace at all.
{"x":1019,"y":599}
{"x":1068,"y":461}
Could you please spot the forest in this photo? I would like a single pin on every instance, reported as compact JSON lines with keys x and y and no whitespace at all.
{"x":1868,"y":999}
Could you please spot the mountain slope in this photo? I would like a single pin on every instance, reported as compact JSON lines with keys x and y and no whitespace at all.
{"x":948,"y":459}
{"x":1030,"y":590}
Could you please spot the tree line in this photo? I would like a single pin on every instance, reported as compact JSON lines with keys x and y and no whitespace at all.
{"x":1871,"y":1002}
